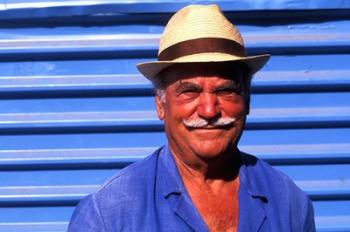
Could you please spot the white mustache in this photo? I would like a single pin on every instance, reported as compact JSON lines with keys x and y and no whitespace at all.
{"x":202,"y":123}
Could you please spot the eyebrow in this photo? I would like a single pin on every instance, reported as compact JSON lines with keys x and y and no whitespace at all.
{"x":184,"y":85}
{"x":231,"y":84}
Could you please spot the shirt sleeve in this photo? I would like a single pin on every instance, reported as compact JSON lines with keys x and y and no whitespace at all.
{"x":87,"y":217}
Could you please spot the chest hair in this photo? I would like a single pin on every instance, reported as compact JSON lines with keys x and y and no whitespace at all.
{"x":219,"y":209}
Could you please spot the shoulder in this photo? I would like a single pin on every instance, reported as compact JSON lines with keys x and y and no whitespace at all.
{"x":262,"y":176}
{"x":86,"y":216}
{"x":109,"y":207}
{"x":129,"y":185}
{"x":282,"y":194}
{"x":131,"y":180}
{"x":270,"y":182}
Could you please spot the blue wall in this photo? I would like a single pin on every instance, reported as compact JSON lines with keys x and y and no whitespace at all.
{"x":74,"y":110}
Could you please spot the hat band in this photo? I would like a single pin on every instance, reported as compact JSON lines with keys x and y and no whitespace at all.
{"x":201,"y":45}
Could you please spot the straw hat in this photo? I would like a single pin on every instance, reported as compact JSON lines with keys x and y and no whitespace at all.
{"x":200,"y":34}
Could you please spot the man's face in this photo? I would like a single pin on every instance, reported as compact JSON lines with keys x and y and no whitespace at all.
{"x":203,"y":109}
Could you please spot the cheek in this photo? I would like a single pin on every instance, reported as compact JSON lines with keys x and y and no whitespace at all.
{"x":177,"y":110}
{"x":233,"y":108}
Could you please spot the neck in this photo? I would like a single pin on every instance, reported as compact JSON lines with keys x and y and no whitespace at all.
{"x":224,"y":168}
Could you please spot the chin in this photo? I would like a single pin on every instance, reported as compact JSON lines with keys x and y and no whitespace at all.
{"x":210,"y":150}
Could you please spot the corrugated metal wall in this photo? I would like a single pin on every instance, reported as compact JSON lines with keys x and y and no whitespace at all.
{"x":74,"y":109}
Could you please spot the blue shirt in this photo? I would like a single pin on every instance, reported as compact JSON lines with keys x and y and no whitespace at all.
{"x":150,"y":196}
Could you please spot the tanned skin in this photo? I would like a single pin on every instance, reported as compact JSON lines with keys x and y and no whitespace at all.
{"x":207,"y":158}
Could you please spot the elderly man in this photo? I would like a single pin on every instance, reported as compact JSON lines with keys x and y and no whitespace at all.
{"x":199,"y":181}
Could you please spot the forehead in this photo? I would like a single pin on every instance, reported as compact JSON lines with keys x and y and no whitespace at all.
{"x":224,"y":71}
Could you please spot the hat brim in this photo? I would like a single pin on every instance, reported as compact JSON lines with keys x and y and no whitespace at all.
{"x":151,"y":69}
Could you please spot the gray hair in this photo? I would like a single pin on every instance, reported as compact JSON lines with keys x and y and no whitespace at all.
{"x":161,"y":94}
{"x":159,"y":85}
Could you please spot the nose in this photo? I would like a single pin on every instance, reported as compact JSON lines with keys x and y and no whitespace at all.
{"x":208,"y":107}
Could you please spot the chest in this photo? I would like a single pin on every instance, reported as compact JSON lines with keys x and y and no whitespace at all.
{"x":218,"y":210}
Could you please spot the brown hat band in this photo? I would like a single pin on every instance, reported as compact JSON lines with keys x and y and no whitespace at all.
{"x":201,"y":45}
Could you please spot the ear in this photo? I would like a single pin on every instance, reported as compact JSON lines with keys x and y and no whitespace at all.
{"x":159,"y":107}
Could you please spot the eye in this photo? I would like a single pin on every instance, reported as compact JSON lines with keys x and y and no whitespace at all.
{"x":225,"y":91}
{"x":232,"y":88}
{"x":189,"y":92}
{"x":188,"y":88}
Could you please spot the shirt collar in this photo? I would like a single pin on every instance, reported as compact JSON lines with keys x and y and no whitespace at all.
{"x":171,"y":180}
{"x":173,"y":184}
{"x":251,"y":196}
{"x":248,"y":178}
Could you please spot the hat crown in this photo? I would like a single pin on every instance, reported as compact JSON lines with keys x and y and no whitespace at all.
{"x":200,"y":34}
{"x":198,"y":21}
